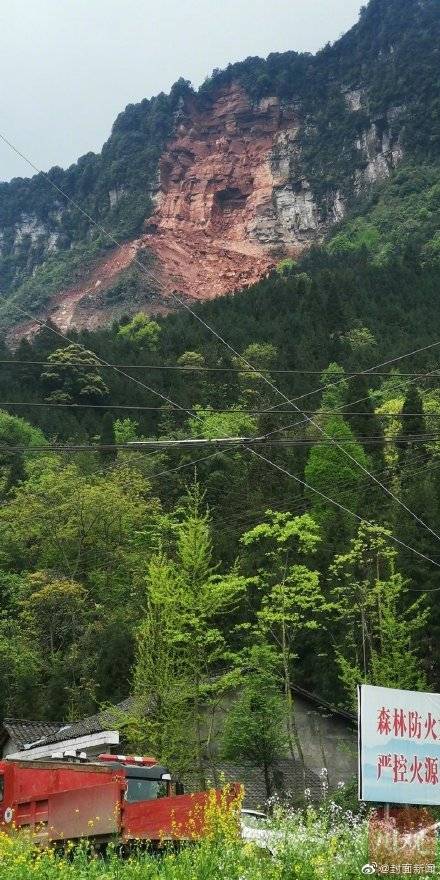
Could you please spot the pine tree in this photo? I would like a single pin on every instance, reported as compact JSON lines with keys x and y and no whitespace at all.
{"x":364,"y":422}
{"x":413,"y":425}
{"x":379,"y":632}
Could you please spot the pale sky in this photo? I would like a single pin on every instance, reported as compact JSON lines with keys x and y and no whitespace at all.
{"x":68,"y":67}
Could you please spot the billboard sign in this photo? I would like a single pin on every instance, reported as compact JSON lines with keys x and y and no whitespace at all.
{"x":399,"y":746}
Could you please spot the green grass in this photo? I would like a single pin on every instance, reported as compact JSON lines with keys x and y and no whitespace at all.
{"x":309,"y":846}
{"x":330,"y":843}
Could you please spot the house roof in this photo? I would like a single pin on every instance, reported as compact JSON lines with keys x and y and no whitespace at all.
{"x":40,"y":733}
{"x":107,"y":718}
{"x":23,"y":732}
{"x":28,"y":733}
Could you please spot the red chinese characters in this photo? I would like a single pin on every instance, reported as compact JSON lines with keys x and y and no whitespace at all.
{"x":404,"y":769}
{"x":407,"y":724}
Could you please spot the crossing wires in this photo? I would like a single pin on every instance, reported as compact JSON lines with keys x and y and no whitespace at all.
{"x":185,"y":305}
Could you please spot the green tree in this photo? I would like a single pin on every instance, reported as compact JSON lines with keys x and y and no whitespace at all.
{"x":211,"y":424}
{"x":379,"y":630}
{"x":204,"y":598}
{"x":413,"y":425}
{"x":191,"y":360}
{"x":364,"y":422}
{"x":74,"y":376}
{"x":55,"y":615}
{"x":286,"y":267}
{"x":254,"y":389}
{"x":335,"y":388}
{"x":126,"y":431}
{"x":79,"y":525}
{"x":160,"y":719}
{"x":108,"y":438}
{"x":15,"y":432}
{"x":291,"y":598}
{"x":331,"y":472}
{"x":254,"y":729}
{"x":187,"y":598}
{"x":361,"y":342}
{"x":21,"y":667}
{"x":141,"y":331}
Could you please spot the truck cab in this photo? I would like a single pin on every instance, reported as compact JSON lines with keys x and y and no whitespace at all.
{"x":146,"y":779}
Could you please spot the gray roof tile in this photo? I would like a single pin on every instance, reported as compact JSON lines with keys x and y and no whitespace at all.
{"x":48,"y":732}
{"x":104,"y":720}
{"x":24,"y":732}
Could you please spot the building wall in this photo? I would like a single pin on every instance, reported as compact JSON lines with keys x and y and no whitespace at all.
{"x":328,"y":742}
{"x":9,"y":747}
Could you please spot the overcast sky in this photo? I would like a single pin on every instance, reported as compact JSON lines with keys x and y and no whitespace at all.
{"x":68,"y":67}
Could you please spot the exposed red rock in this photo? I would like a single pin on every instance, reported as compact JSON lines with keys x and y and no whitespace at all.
{"x":102,"y":277}
{"x":63,"y":306}
{"x":216,"y":181}
{"x":226,"y":210}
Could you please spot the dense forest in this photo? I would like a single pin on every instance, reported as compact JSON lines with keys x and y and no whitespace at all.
{"x":174,"y":573}
{"x":309,"y":557}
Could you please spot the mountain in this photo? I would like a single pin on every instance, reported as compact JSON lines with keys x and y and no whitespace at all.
{"x":211,"y":189}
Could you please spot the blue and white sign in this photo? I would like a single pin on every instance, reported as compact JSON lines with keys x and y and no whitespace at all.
{"x":399,"y":746}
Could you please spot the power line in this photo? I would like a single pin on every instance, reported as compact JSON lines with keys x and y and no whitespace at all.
{"x":173,"y":294}
{"x":209,"y":369}
{"x":193,"y":463}
{"x":73,"y":447}
{"x":316,"y":424}
{"x":310,"y":420}
{"x":338,"y":409}
{"x":117,"y":369}
{"x":162,"y":409}
{"x":221,"y":339}
{"x":302,"y":482}
{"x":372,"y":371}
{"x":302,"y":505}
{"x":208,"y":409}
{"x":287,"y":507}
{"x":71,"y":201}
{"x":290,"y":402}
{"x":181,"y":302}
{"x":346,"y":510}
{"x":219,"y":443}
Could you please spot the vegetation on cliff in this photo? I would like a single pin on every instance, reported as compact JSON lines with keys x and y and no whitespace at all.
{"x":375,"y":91}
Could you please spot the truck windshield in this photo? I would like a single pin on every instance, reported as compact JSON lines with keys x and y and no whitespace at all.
{"x":144,"y":790}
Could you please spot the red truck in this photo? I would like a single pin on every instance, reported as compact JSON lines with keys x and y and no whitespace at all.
{"x":114,"y":797}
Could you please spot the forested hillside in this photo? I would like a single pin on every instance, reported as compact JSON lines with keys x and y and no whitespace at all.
{"x":335,"y":126}
{"x":173,"y":572}
{"x":309,"y":558}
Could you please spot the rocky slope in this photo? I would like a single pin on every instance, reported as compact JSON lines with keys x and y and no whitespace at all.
{"x":225,"y":207}
{"x":216,"y":187}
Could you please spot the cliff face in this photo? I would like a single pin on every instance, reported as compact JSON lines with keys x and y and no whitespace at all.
{"x":226,"y":210}
{"x":230,"y":200}
{"x":213,"y":188}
